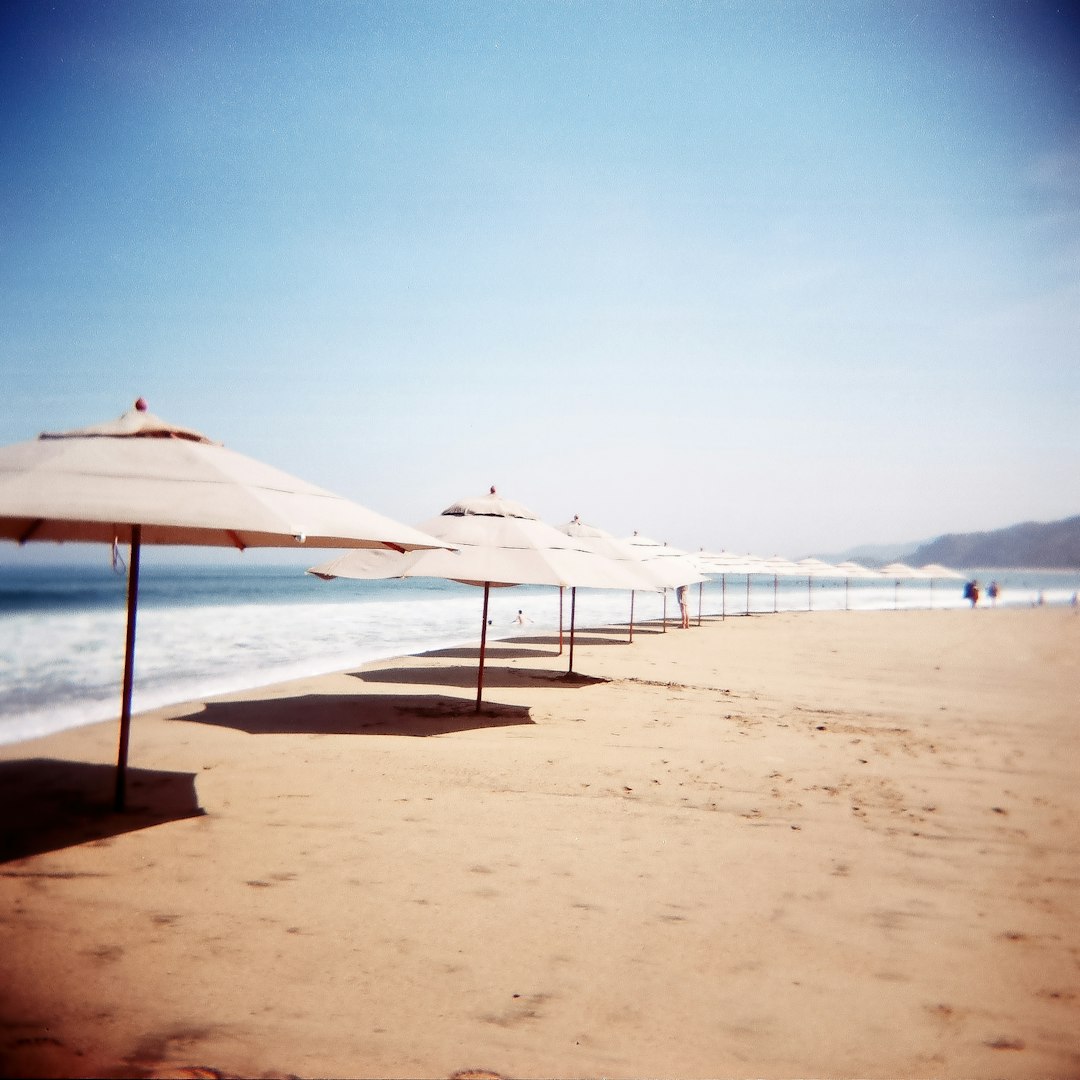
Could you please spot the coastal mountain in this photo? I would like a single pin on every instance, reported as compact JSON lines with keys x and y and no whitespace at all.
{"x":1033,"y":545}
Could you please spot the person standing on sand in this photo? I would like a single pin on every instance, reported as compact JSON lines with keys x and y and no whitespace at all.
{"x":684,"y":607}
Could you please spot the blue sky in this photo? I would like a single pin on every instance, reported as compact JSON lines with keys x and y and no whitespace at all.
{"x":777,"y":277}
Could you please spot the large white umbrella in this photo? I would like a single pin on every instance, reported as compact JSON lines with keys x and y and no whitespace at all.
{"x":610,"y":547}
{"x":899,"y":571}
{"x":816,"y":568}
{"x":779,"y":567}
{"x":937,"y":572}
{"x":725,"y":563}
{"x":498,"y":543}
{"x":140,"y":480}
{"x":671,"y":566}
{"x":854,"y":570}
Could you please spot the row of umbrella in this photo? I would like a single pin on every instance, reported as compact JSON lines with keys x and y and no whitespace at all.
{"x":141,"y":480}
{"x":724,"y":563}
{"x":495,"y":542}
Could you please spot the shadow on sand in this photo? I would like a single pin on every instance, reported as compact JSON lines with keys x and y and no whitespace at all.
{"x":466,"y":677}
{"x":48,"y":804}
{"x":357,"y":714}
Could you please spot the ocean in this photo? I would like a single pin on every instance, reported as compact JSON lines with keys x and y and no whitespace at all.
{"x":209,"y":629}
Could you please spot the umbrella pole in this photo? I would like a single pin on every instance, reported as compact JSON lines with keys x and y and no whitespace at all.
{"x":747,"y":594}
{"x":775,"y":605}
{"x":631,"y":616}
{"x":129,"y":668}
{"x":665,"y":611}
{"x":573,"y":613}
{"x":723,"y":596}
{"x":809,"y":593}
{"x":560,"y":619}
{"x":483,"y":647}
{"x":700,"y":593}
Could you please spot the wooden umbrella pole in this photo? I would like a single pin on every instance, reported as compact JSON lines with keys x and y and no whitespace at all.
{"x":723,"y":596}
{"x":483,"y":647}
{"x":120,"y":799}
{"x":631,"y":616}
{"x":560,"y":619}
{"x":700,"y":594}
{"x":573,"y":616}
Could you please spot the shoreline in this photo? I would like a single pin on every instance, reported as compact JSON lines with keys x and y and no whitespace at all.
{"x":781,"y":846}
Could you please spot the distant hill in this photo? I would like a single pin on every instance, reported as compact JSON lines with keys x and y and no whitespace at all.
{"x":872,"y":554}
{"x":1034,"y":545}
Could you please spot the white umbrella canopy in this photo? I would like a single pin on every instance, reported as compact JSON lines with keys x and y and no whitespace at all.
{"x":725,"y":563}
{"x":899,"y":571}
{"x":855,"y":570}
{"x":624,"y":554}
{"x":669,"y":565}
{"x":498,"y":543}
{"x":179,"y":487}
{"x":816,"y":568}
{"x":935,"y":571}
{"x":141,"y":480}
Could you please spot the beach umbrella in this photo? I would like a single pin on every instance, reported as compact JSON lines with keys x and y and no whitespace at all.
{"x":141,"y":480}
{"x":816,"y":568}
{"x":609,"y":546}
{"x":497,"y":543}
{"x":722,"y":563}
{"x":779,"y":567}
{"x":669,"y":565}
{"x":854,"y":570}
{"x":899,"y":571}
{"x":935,"y":571}
{"x":740,"y":565}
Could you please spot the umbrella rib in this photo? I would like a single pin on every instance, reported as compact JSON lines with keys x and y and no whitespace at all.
{"x":30,"y":532}
{"x":235,"y":537}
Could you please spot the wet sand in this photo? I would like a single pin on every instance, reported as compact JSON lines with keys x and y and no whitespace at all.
{"x":796,"y":845}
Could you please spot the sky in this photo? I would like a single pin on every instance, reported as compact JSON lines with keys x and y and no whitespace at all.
{"x":777,"y":277}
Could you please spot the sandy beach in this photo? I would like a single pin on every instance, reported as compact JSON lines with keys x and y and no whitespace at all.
{"x":796,"y":845}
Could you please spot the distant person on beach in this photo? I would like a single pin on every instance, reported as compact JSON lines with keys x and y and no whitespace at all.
{"x":993,"y":592}
{"x":684,"y":606}
{"x":521,"y":618}
{"x":971,"y":592}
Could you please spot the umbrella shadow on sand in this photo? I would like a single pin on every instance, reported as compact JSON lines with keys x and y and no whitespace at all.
{"x":466,"y":676}
{"x":472,"y":652}
{"x":356,"y":714}
{"x":593,"y":637}
{"x":48,"y":805}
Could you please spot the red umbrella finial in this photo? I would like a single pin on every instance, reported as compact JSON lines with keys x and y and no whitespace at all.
{"x":140,"y":404}
{"x":492,"y":492}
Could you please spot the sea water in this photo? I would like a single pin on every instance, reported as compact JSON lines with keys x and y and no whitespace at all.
{"x":209,"y":629}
